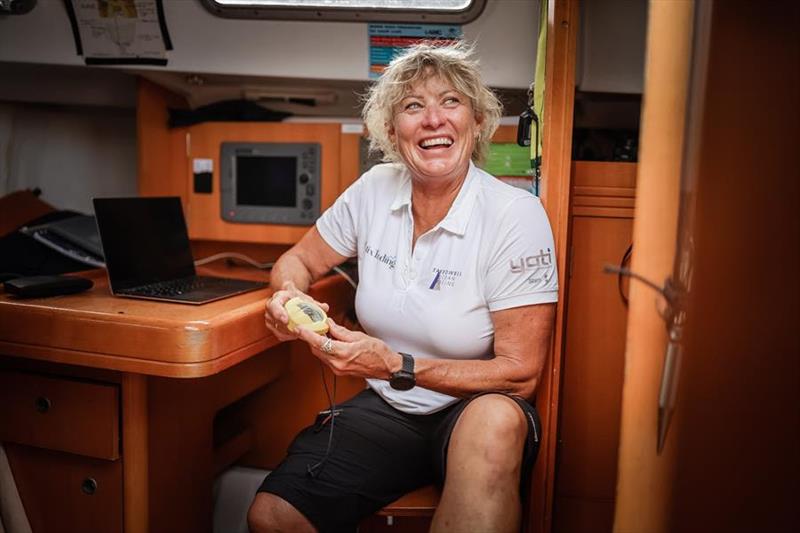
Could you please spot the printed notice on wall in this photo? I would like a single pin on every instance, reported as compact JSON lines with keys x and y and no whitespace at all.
{"x":120,"y":32}
{"x":387,"y":40}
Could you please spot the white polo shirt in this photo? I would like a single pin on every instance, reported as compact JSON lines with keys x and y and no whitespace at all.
{"x":492,"y":251}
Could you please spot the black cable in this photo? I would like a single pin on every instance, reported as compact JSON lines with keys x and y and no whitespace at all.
{"x":625,"y":258}
{"x":315,"y":469}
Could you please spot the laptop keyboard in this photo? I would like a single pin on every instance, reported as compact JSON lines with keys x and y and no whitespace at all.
{"x":186,"y":285}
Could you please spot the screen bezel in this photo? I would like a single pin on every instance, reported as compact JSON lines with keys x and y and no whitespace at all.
{"x":309,"y":161}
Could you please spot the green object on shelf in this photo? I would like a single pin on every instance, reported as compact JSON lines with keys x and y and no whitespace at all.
{"x":508,"y":159}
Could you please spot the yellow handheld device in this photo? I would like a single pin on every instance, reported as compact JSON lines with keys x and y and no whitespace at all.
{"x":304,"y":313}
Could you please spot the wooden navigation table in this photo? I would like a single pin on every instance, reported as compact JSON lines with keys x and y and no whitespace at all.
{"x":112,"y":407}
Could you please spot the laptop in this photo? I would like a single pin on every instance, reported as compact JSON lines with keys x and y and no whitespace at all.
{"x":147,"y":253}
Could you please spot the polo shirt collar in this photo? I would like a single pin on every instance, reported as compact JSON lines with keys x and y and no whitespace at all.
{"x":458,"y":216}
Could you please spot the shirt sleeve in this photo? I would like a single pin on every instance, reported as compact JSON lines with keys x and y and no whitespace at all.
{"x":338,"y":225}
{"x":522,"y":267}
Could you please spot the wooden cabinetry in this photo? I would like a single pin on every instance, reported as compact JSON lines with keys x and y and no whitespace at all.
{"x":592,"y":370}
{"x":67,"y":492}
{"x":62,"y":441}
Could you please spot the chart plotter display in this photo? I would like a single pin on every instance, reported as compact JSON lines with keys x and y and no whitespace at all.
{"x":272,"y":183}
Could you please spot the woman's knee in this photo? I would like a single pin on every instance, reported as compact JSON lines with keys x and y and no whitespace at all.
{"x":494,"y":422}
{"x":269,"y":512}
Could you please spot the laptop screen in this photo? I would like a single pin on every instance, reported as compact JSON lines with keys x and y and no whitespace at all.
{"x":144,"y":240}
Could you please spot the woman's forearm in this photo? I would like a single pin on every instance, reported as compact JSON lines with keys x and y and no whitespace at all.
{"x":464,"y":378}
{"x":290,"y":267}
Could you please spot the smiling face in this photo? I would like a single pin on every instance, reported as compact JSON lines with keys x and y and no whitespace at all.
{"x":434,"y":129}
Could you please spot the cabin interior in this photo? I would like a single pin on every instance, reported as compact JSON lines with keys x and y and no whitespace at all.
{"x":668,"y":133}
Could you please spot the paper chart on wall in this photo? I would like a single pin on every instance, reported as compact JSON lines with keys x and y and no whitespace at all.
{"x":109,"y":32}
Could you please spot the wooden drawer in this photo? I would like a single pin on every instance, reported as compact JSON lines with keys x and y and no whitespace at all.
{"x":60,"y":414}
{"x":62,"y":492}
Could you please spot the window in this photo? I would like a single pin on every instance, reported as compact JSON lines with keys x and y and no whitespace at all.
{"x":427,"y":11}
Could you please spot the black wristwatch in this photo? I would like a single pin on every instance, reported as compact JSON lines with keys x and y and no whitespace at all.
{"x":404,"y":378}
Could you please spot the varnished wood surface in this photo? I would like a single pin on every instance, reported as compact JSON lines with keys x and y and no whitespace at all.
{"x":161,"y":150}
{"x":562,"y":31}
{"x":604,"y":175}
{"x":50,"y":486}
{"x":135,"y":430}
{"x":592,"y":376}
{"x":421,"y":502}
{"x":643,"y":477}
{"x":97,"y":329}
{"x":203,"y":209}
{"x":72,"y":416}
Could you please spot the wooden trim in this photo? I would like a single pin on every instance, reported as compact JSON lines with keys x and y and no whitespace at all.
{"x":602,"y":201}
{"x":625,"y":192}
{"x":562,"y":28}
{"x":133,"y":364}
{"x":608,"y":212}
{"x":135,"y":453}
{"x":421,"y":502}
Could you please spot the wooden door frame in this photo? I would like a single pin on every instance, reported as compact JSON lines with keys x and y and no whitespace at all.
{"x":559,"y":97}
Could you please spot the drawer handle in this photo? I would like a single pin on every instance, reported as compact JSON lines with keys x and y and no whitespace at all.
{"x":89,"y":486}
{"x":43,"y":404}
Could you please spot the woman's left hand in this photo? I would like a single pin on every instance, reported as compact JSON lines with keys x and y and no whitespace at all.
{"x":352,"y":353}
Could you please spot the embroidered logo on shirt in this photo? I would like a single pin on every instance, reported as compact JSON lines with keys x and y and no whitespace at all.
{"x":444,"y":278}
{"x":389,"y":260}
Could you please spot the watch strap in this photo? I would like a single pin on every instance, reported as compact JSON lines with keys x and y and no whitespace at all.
{"x":408,"y":362}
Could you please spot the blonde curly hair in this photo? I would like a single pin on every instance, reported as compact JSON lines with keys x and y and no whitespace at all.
{"x":454,"y":63}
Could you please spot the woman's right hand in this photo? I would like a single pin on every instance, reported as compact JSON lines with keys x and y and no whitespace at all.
{"x":275,"y":316}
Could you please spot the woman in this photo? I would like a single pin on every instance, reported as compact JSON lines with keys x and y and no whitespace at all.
{"x":456,"y":295}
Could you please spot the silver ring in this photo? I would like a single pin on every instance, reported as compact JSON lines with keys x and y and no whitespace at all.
{"x":327,"y":346}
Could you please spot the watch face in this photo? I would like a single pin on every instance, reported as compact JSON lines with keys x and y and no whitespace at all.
{"x":402,"y":381}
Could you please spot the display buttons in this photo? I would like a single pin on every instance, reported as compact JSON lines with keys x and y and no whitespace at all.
{"x":310,"y":189}
{"x":307,"y":204}
{"x":304,"y":178}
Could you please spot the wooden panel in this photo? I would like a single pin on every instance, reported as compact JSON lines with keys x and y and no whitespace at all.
{"x":603,"y":174}
{"x":135,"y":444}
{"x":50,"y":486}
{"x":181,"y":453}
{"x":592,"y":375}
{"x":350,"y":159}
{"x":161,"y":150}
{"x":203,"y":210}
{"x":60,"y":414}
{"x":602,"y":201}
{"x":623,"y":192}
{"x":593,"y":362}
{"x":609,"y":212}
{"x":736,"y":426}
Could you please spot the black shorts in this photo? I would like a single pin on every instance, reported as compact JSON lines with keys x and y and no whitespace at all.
{"x":377,"y":454}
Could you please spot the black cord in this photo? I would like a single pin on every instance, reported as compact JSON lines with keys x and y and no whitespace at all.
{"x":315,"y":469}
{"x":625,"y":258}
